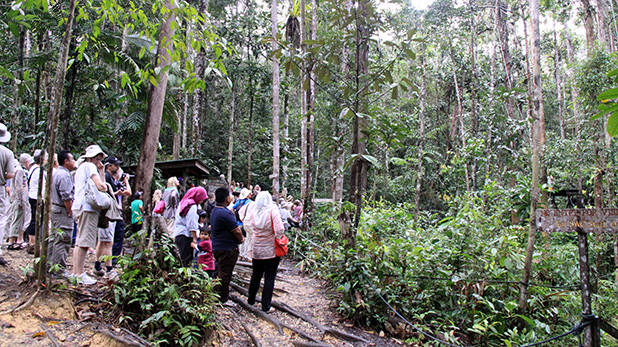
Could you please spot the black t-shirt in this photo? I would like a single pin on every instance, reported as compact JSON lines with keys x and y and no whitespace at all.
{"x":222,"y":222}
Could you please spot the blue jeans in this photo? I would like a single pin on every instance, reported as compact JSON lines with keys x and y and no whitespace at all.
{"x":118,"y":240}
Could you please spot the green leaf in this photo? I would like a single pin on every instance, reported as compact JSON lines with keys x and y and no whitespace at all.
{"x":371,"y":159}
{"x":612,"y":124}
{"x":153,"y":80}
{"x":608,"y":94}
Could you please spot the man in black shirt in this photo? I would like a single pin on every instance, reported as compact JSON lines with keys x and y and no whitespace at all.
{"x":226,"y":236}
{"x":120,"y":188}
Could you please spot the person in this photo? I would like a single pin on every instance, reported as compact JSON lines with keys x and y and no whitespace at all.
{"x":90,"y":168}
{"x":266,"y":224}
{"x":137,"y":212}
{"x":205,"y":258}
{"x":119,"y":182}
{"x":284,"y":211}
{"x":19,"y":213}
{"x":170,"y":197}
{"x":62,"y":194}
{"x":107,"y":235}
{"x":7,"y":171}
{"x":226,"y":236}
{"x":241,"y":209}
{"x":187,"y":223}
{"x":40,"y":157}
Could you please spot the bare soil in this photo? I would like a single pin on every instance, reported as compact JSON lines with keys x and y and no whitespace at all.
{"x":67,"y":315}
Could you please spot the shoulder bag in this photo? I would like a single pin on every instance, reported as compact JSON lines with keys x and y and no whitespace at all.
{"x":281,"y":244}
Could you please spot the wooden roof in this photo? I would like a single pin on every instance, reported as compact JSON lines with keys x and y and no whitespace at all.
{"x":180,"y":168}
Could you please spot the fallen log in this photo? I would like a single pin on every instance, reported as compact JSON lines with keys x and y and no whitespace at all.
{"x":259,"y":313}
{"x":301,"y":333}
{"x":286,"y":308}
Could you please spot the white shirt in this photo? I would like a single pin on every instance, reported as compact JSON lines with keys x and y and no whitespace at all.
{"x":82,"y":175}
{"x":190,"y":222}
{"x":33,"y":181}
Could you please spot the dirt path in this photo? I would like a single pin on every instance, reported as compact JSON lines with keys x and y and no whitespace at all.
{"x":54,"y":318}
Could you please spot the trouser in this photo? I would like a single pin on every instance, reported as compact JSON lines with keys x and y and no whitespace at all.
{"x":59,"y":239}
{"x":15,"y":219}
{"x":30,"y":229}
{"x":268,"y":269}
{"x":4,"y":214}
{"x":118,"y":241}
{"x":226,"y":260}
{"x":184,"y":248}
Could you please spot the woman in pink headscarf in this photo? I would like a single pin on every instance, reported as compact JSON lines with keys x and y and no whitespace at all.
{"x":187,"y":226}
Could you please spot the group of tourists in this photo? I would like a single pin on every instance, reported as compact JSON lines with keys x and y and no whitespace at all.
{"x":212,"y":234}
{"x":87,"y":195}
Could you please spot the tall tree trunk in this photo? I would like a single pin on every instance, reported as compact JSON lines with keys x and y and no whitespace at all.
{"x":574,"y":102}
{"x":360,"y":165}
{"x":286,"y":135}
{"x":537,"y":148}
{"x":558,"y":83}
{"x":310,"y":128}
{"x":68,"y":103}
{"x":54,"y":114}
{"x":156,"y":99}
{"x":340,"y":124}
{"x":462,"y":132}
{"x":230,"y":139}
{"x":589,"y":26}
{"x":421,"y":137}
{"x":276,"y":142}
{"x":473,"y":90}
{"x":303,"y":103}
{"x":249,"y":138}
{"x":503,"y":38}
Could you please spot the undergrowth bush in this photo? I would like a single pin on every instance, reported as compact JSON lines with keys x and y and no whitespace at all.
{"x":164,"y":302}
{"x":456,"y":274}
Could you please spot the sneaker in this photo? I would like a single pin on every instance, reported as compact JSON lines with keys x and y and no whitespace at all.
{"x":99,"y":272}
{"x":86,"y":280}
{"x":111,"y":275}
{"x":270,"y":310}
{"x":230,"y":304}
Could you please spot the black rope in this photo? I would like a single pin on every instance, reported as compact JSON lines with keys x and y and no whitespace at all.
{"x":577,"y":329}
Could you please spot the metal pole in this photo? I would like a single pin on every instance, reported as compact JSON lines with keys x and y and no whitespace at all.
{"x":584,"y":275}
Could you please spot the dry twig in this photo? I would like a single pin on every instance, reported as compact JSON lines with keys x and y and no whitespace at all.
{"x":51,"y":336}
{"x":24,"y":305}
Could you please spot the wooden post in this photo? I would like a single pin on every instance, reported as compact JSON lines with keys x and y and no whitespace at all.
{"x":584,"y":275}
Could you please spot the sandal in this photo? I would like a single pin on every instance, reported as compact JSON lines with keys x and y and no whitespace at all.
{"x":13,"y":247}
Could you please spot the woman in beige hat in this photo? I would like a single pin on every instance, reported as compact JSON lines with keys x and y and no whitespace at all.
{"x":86,"y":216}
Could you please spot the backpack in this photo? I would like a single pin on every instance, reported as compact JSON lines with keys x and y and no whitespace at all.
{"x":238,"y":207}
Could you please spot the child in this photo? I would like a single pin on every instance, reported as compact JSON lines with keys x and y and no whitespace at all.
{"x":205,"y":258}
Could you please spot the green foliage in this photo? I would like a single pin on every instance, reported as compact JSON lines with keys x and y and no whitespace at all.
{"x":457,"y":273}
{"x":164,"y":302}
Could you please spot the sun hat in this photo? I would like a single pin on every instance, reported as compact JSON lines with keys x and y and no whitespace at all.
{"x":244,"y":193}
{"x":5,"y":135}
{"x":25,"y":159}
{"x":93,"y":150}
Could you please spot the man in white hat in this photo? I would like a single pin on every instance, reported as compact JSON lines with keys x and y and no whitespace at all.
{"x":19,"y":216}
{"x":86,"y":216}
{"x":7,"y":171}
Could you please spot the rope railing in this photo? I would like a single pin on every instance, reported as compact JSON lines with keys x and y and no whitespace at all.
{"x":575,"y":330}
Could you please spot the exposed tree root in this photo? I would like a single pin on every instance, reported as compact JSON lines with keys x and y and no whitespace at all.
{"x":309,"y":344}
{"x":254,"y":339}
{"x":301,"y":333}
{"x":115,"y":336}
{"x":248,"y":264}
{"x":286,"y":308}
{"x":24,"y":305}
{"x":49,"y":335}
{"x":258,"y":313}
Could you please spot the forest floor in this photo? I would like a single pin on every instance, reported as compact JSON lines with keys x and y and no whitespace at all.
{"x":72,"y":316}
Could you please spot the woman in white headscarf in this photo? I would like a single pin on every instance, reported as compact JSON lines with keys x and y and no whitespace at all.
{"x":265,"y":222}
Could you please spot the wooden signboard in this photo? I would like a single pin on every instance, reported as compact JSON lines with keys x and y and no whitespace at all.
{"x":588,"y":220}
{"x":582,"y":221}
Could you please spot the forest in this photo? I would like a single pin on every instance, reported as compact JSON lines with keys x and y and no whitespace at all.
{"x":433,"y":132}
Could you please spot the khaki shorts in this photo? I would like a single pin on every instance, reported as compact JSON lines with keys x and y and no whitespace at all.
{"x":107,"y":234}
{"x":87,"y":230}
